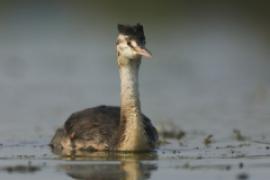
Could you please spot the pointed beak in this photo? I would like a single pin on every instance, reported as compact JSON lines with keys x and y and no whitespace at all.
{"x":143,"y":52}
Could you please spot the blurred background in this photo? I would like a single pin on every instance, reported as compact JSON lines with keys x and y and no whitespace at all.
{"x":210,"y":70}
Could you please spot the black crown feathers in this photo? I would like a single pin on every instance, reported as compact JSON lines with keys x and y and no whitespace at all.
{"x":133,"y":31}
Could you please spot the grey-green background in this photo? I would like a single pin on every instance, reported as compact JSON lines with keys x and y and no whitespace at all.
{"x":210,"y":70}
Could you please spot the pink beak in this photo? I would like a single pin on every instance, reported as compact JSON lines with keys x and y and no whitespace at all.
{"x":143,"y":52}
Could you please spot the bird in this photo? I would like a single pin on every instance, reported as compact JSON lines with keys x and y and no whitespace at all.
{"x":114,"y":128}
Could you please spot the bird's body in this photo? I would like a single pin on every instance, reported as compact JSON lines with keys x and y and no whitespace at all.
{"x":109,"y":128}
{"x":97,"y":129}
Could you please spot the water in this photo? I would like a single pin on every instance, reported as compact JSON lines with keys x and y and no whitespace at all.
{"x":209,"y":75}
{"x":224,"y":159}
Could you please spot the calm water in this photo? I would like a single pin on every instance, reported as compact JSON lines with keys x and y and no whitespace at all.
{"x":209,"y":75}
{"x":221,"y":160}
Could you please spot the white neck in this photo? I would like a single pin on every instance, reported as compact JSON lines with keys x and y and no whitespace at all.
{"x":131,"y":119}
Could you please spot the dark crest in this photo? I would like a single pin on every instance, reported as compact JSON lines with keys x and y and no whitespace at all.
{"x":135,"y":31}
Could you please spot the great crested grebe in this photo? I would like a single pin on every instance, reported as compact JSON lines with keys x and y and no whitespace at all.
{"x":109,"y":128}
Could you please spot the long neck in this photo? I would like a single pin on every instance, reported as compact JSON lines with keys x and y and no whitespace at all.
{"x":130,"y":101}
{"x":131,"y":118}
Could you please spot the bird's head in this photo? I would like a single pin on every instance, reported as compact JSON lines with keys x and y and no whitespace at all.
{"x":130,"y":43}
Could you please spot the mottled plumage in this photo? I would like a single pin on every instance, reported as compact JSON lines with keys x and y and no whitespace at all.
{"x":109,"y":128}
{"x":98,"y":125}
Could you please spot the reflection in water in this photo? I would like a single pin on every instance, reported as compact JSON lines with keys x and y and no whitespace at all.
{"x":128,"y":170}
{"x":130,"y":167}
{"x":96,"y":171}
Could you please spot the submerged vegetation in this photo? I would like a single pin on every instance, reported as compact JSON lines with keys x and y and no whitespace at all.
{"x":29,"y":168}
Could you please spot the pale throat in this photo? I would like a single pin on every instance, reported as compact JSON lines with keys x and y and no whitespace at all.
{"x":131,"y":116}
{"x":130,"y":101}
